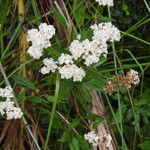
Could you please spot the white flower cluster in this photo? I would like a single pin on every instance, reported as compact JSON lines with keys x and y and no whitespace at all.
{"x":105,"y":2}
{"x":50,"y":66}
{"x":72,"y":71}
{"x":105,"y":32}
{"x":65,"y":67}
{"x":40,"y":39}
{"x":96,"y":139}
{"x":133,"y":77}
{"x":90,"y":51}
{"x":85,"y":51}
{"x":7,"y":107}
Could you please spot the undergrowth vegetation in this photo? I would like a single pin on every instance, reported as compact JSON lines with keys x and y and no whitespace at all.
{"x":74,"y":75}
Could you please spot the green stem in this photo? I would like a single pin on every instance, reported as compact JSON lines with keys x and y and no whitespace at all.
{"x":117,"y":124}
{"x":134,"y":37}
{"x":118,"y":94}
{"x":53,"y":110}
{"x":148,"y":8}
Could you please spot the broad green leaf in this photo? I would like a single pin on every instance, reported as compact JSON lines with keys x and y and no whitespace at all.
{"x":145,"y":145}
{"x":84,"y":145}
{"x":24,"y":82}
{"x":51,"y":98}
{"x":36,"y":99}
{"x":74,"y":144}
{"x":95,"y":84}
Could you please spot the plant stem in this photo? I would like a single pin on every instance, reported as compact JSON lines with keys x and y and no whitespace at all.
{"x":53,"y":110}
{"x":148,"y":8}
{"x":118,"y":94}
{"x":22,"y":49}
{"x":134,"y":37}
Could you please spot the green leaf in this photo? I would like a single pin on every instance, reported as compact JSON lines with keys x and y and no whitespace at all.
{"x":105,"y":19}
{"x":36,"y":99}
{"x":145,"y":145}
{"x":51,"y":98}
{"x":24,"y":82}
{"x":74,"y":123}
{"x":79,"y":12}
{"x":60,"y":18}
{"x":66,"y":137}
{"x":65,"y":89}
{"x":95,"y":84}
{"x":74,"y":144}
{"x":145,"y":99}
{"x":83,"y":142}
{"x":97,"y":120}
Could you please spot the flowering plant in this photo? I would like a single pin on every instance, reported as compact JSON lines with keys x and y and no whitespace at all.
{"x":67,"y":81}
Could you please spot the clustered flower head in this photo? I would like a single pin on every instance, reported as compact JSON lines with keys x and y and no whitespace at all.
{"x":96,"y":139}
{"x":40,"y":39}
{"x":7,"y":107}
{"x":105,"y":2}
{"x":87,"y":51}
{"x":125,"y":81}
{"x":105,"y":32}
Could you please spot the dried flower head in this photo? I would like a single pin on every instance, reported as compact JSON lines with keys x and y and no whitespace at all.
{"x":133,"y":77}
{"x":124,"y":81}
{"x":109,"y":87}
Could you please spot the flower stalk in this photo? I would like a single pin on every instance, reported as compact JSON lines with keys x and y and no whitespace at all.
{"x":53,"y":110}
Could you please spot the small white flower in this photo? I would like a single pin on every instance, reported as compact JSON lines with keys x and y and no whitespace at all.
{"x":76,"y":49}
{"x":6,"y":92}
{"x":105,"y":32}
{"x":50,"y":66}
{"x":91,"y":59}
{"x":105,"y":2}
{"x":7,"y":107}
{"x":65,"y":59}
{"x":133,"y":77}
{"x":47,"y":30}
{"x":39,"y":39}
{"x":79,"y":36}
{"x":35,"y":52}
{"x":72,"y":71}
{"x":95,"y":139}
